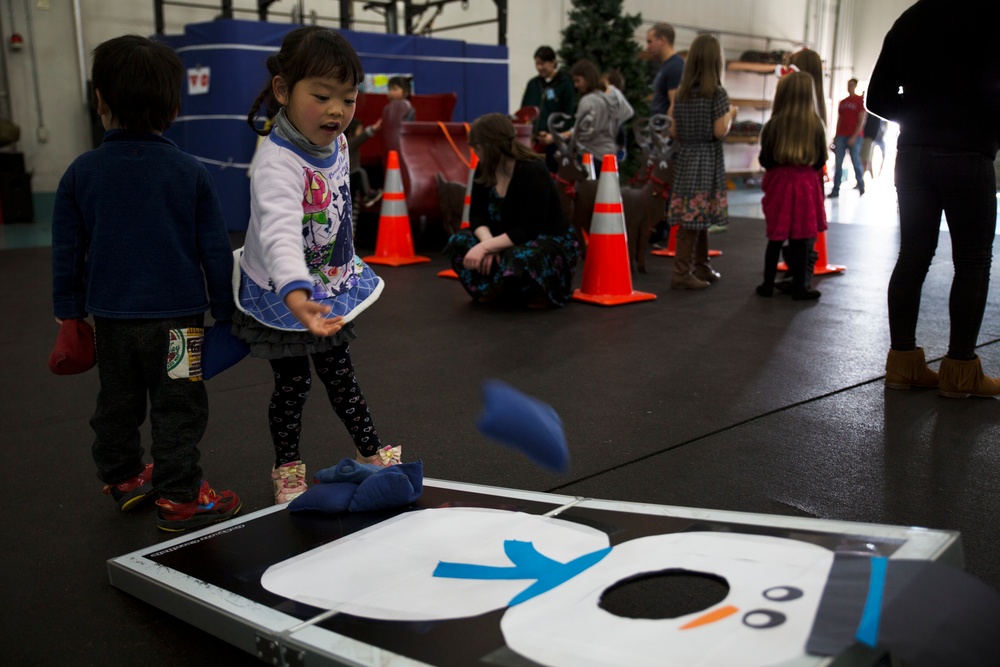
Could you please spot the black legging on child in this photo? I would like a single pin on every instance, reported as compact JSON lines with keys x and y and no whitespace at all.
{"x":797,"y":254}
{"x":292,"y":381}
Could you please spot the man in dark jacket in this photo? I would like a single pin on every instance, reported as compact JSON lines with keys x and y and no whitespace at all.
{"x":551,"y":91}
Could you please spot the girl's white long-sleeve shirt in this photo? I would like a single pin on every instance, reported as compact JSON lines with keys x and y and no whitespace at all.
{"x":300,"y":231}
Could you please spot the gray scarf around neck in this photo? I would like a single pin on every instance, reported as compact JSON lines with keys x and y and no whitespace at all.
{"x":284,"y":129}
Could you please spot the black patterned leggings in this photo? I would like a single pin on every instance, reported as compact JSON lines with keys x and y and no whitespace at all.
{"x":292,"y":381}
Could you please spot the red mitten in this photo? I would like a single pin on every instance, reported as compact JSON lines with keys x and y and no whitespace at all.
{"x":74,"y":350}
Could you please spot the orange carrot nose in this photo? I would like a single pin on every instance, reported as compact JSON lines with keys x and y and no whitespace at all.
{"x":710,"y":617}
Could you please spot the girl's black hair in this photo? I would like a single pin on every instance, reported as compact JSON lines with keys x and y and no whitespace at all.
{"x":307,"y":52}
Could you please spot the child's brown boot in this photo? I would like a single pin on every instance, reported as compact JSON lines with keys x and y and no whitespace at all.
{"x":908,"y":369}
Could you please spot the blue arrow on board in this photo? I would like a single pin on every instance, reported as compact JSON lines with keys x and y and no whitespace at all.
{"x":528,"y":564}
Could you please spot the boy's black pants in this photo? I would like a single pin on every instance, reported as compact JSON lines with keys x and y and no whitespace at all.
{"x":132,"y":362}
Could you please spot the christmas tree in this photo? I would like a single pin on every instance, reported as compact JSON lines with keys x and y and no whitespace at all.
{"x":598,"y":31}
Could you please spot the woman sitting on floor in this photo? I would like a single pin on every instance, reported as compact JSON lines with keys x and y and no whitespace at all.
{"x":522,"y":251}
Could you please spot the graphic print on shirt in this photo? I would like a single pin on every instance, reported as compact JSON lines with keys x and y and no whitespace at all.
{"x":326,"y":233}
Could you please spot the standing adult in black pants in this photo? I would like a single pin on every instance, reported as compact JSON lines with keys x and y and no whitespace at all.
{"x":949,"y":137}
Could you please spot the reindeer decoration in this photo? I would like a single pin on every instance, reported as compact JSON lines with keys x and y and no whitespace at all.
{"x":451,"y":201}
{"x":642,"y":199}
{"x":577,"y":191}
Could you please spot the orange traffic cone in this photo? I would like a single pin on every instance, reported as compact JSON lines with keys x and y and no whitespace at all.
{"x":394,"y":243}
{"x":822,"y":265}
{"x":671,"y":249}
{"x":607,"y":279}
{"x":473,"y":163}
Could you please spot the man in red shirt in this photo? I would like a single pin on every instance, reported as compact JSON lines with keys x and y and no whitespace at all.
{"x":850,"y":122}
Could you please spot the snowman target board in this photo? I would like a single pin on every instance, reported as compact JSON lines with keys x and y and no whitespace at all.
{"x":548,"y":576}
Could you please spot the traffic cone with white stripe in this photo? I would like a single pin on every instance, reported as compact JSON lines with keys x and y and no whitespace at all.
{"x":822,"y":266}
{"x":394,"y":243}
{"x":607,"y":279}
{"x":473,"y":163}
{"x":671,"y":249}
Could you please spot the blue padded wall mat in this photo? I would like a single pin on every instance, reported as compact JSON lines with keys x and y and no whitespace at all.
{"x":212,"y":126}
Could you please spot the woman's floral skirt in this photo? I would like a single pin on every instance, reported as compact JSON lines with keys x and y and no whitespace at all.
{"x":541,"y":269}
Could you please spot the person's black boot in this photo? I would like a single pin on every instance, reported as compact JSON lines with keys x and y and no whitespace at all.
{"x":770,"y":268}
{"x":798,"y":255}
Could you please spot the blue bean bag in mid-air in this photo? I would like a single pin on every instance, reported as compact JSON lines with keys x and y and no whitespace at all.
{"x":524,"y":423}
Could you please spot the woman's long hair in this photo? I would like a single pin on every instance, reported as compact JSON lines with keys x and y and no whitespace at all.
{"x":795,"y":131}
{"x":587,"y":70}
{"x":808,"y":61}
{"x":702,"y":69}
{"x":494,"y":139}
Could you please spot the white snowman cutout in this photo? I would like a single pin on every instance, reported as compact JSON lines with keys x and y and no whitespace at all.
{"x":448,"y":563}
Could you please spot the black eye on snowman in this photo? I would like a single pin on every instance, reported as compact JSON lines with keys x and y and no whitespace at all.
{"x":783,"y":593}
{"x":761,"y":619}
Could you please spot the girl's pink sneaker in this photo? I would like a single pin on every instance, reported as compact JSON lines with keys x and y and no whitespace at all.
{"x":385,"y":457}
{"x":289,"y":481}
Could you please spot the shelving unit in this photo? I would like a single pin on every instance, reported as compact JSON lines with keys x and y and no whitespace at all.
{"x":762,"y":105}
{"x":758,"y":68}
{"x":759,"y":105}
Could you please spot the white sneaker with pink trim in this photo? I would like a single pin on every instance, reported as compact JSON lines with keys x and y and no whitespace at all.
{"x":289,"y":481}
{"x":385,"y":457}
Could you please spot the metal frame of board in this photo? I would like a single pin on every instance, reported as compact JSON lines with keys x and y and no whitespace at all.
{"x":211,"y":578}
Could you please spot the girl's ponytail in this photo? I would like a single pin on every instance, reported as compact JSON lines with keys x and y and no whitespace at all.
{"x":274,"y":69}
{"x":255,"y":111}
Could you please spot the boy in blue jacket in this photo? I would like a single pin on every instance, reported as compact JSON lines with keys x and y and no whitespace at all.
{"x":139,"y":242}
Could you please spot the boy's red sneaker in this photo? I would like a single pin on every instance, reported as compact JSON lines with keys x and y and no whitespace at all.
{"x":209,"y":507}
{"x":132,"y":491}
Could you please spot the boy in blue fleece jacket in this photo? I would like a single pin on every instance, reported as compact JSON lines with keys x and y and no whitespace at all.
{"x":139,"y":242}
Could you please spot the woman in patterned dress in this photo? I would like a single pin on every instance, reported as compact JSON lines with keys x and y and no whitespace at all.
{"x":522,"y":251}
{"x":702,"y":115}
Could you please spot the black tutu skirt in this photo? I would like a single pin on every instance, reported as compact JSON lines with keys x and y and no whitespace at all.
{"x":268,"y":343}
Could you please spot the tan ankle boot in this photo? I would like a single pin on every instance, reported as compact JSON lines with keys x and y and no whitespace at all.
{"x":684,"y":254}
{"x":908,"y":369}
{"x":961,"y":379}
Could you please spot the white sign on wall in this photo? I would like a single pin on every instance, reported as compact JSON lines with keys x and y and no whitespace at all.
{"x":198,"y":79}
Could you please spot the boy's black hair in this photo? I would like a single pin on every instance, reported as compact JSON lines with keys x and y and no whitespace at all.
{"x":402,"y":82}
{"x":546,"y":54}
{"x":140,"y":81}
{"x":307,"y":52}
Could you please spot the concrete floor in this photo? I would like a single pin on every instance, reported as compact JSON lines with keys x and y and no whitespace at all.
{"x":717,"y":399}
